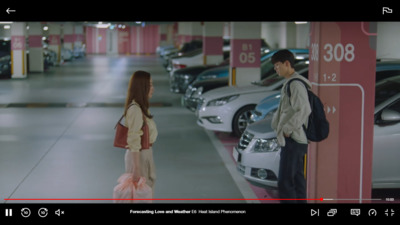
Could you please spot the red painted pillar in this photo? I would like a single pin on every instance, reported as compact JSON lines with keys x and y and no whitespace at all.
{"x":245,"y":53}
{"x":124,"y":40}
{"x":79,"y":36}
{"x":55,"y":40}
{"x":342,"y":70}
{"x":212,"y":43}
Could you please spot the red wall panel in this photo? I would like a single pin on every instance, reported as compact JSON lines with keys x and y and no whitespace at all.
{"x":144,"y":40}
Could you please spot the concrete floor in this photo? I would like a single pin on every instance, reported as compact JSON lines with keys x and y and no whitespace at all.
{"x":57,"y":129}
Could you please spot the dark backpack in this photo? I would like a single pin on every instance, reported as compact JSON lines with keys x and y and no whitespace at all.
{"x":318,"y":126}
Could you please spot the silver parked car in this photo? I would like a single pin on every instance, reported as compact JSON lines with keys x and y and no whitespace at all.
{"x":258,"y":152}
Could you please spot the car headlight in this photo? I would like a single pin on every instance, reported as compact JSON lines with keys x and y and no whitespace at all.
{"x":254,"y":115}
{"x":266,"y":145}
{"x":200,"y":101}
{"x":198,"y":92}
{"x":222,"y":101}
{"x":270,"y":113}
{"x":189,"y":91}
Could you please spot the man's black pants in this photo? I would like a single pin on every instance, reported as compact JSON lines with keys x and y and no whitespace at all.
{"x":291,"y":179}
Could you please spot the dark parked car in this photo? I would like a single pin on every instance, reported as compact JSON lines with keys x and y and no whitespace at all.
{"x":5,"y":66}
{"x":182,"y":78}
{"x":5,"y":59}
{"x":186,"y":48}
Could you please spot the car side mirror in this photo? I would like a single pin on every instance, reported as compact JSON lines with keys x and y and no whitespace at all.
{"x":390,"y":116}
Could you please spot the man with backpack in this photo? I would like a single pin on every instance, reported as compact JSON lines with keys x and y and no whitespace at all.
{"x":288,"y":121}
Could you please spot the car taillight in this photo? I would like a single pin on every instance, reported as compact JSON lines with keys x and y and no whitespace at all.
{"x":179,"y":66}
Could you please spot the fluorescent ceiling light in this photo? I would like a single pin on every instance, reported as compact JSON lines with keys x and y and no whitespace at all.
{"x":101,"y":25}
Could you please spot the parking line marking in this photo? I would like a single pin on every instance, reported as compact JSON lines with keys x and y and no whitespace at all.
{"x":240,"y":181}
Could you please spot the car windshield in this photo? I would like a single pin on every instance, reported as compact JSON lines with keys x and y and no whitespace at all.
{"x":381,"y":75}
{"x":190,"y":46}
{"x":267,"y":68}
{"x":193,"y":53}
{"x":274,"y":78}
{"x":387,"y":88}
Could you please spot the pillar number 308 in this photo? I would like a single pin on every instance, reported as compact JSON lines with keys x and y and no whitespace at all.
{"x":337,"y":52}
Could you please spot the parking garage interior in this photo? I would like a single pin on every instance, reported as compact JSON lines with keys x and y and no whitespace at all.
{"x":59,"y":111}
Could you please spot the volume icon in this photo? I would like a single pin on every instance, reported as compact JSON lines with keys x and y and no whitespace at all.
{"x":8,"y":212}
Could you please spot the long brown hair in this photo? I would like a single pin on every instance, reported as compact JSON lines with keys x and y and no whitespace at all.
{"x":138,"y":90}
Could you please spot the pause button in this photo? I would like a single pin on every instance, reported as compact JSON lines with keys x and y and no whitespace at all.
{"x":8,"y":212}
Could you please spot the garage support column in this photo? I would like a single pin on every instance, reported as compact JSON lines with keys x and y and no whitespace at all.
{"x":68,"y":36}
{"x":189,"y":31}
{"x":212,"y":43}
{"x":55,"y":40}
{"x":78,"y":36}
{"x":245,"y":53}
{"x":163,"y":31}
{"x":388,"y":33}
{"x":342,"y":72}
{"x":18,"y":50}
{"x":36,"y":59}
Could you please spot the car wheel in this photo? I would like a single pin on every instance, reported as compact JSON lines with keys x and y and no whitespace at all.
{"x":241,"y":119}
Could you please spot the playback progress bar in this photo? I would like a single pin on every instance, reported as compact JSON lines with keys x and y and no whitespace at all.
{"x":352,"y":199}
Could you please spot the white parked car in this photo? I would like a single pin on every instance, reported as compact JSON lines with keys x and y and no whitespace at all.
{"x":195,"y":58}
{"x":228,"y":109}
{"x":162,"y":50}
{"x":258,"y":153}
{"x":67,"y":54}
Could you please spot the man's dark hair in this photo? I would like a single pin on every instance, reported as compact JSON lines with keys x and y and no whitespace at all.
{"x":282,"y":56}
